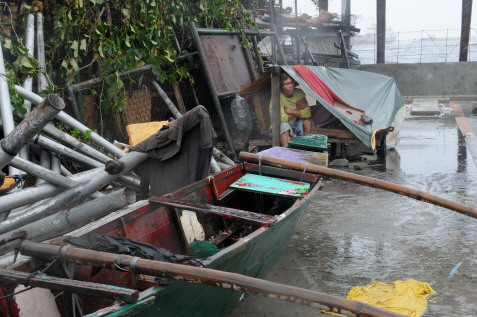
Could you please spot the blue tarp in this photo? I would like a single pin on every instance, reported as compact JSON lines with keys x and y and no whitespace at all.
{"x":376,"y":94}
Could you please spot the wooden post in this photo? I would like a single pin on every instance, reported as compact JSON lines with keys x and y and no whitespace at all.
{"x":180,"y":101}
{"x":258,"y":58}
{"x":276,"y":116}
{"x":279,"y":46}
{"x":465,"y":30}
{"x":305,"y":62}
{"x":381,"y":30}
{"x":346,"y":18}
{"x":298,"y":51}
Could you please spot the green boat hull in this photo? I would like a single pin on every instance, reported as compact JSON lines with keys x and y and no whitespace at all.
{"x":253,"y":256}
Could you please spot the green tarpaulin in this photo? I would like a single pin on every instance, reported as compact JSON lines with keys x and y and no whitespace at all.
{"x":376,"y":94}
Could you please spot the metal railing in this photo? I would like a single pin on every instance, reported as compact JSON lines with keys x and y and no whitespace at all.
{"x":424,"y":46}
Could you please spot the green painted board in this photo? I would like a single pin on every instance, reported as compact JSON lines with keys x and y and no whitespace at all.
{"x":315,"y":142}
{"x":271,"y":185}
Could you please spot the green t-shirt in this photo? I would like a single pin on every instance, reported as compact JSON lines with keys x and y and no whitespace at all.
{"x":290,"y":103}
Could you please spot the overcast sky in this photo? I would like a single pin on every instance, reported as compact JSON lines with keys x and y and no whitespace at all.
{"x":401,"y":15}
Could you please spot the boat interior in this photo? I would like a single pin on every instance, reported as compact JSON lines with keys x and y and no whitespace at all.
{"x":220,"y":210}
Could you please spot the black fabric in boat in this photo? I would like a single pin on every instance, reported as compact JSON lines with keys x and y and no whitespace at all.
{"x":127,"y":246}
{"x":180,"y":154}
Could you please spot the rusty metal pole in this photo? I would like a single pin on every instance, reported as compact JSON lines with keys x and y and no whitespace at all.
{"x":381,"y":31}
{"x":61,"y":223}
{"x":363,"y":180}
{"x":465,"y":30}
{"x":276,"y":115}
{"x":231,"y":281}
{"x":29,"y":127}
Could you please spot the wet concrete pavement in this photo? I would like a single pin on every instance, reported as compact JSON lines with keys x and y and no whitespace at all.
{"x":355,"y":235}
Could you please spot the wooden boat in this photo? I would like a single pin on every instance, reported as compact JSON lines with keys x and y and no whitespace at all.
{"x":250,"y":212}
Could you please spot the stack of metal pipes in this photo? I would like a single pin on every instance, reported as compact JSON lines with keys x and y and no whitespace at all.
{"x":33,"y":213}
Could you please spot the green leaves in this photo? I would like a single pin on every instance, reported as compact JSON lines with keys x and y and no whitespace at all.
{"x":142,"y":32}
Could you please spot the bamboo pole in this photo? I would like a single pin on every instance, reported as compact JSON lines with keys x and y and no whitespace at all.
{"x":363,"y":180}
{"x":226,"y":280}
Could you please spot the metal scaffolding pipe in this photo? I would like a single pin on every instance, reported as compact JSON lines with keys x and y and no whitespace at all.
{"x":77,"y":144}
{"x":30,"y":45}
{"x":55,"y":163}
{"x":40,"y":49}
{"x":28,"y":83}
{"x":222,"y":157}
{"x":45,"y":174}
{"x":73,"y":195}
{"x":44,"y":162}
{"x":51,"y":206}
{"x":75,"y":156}
{"x":67,"y":119}
{"x":31,"y":195}
{"x":61,"y":223}
{"x":168,"y":101}
{"x":6,"y":106}
{"x":29,"y":127}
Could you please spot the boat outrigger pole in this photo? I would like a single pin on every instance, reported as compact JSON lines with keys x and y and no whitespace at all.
{"x":226,"y":280}
{"x":363,"y":180}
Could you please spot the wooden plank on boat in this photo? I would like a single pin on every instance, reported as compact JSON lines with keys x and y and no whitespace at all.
{"x":249,"y":217}
{"x":334,"y":133}
{"x":320,"y":159}
{"x":281,"y":172}
{"x":78,"y":287}
{"x":270,"y":185}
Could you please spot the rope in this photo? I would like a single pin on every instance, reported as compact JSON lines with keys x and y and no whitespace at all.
{"x":260,"y":164}
{"x":70,"y":272}
{"x":21,"y":179}
{"x":132,"y":270}
{"x":304,"y":170}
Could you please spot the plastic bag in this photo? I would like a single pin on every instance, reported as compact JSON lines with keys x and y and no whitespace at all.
{"x":393,"y":138}
{"x":241,"y":113}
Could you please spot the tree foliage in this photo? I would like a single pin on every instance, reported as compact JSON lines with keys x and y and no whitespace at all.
{"x":120,"y":35}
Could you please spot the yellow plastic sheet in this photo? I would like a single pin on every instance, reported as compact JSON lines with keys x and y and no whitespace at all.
{"x":9,"y":181}
{"x":407,"y":298}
